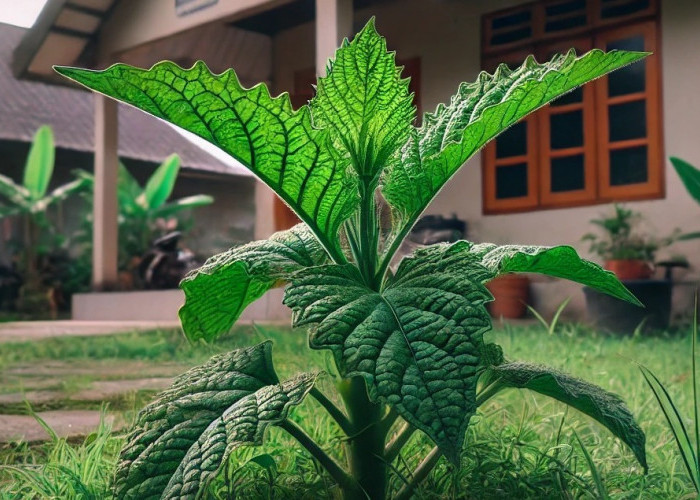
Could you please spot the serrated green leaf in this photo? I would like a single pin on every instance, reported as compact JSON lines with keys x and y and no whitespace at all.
{"x":417,"y":343}
{"x":40,"y":162}
{"x":217,"y":293}
{"x":560,"y":261}
{"x":364,"y":102}
{"x":278,"y":144}
{"x":167,"y":428}
{"x":181,"y":439}
{"x":475,"y":115}
{"x":243,"y":424}
{"x":599,"y":404}
{"x":161,"y":183}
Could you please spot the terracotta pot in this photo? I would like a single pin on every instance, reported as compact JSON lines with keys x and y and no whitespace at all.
{"x":511,"y":293}
{"x":629,"y":269}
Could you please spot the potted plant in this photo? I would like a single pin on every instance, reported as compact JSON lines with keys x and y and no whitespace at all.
{"x":511,"y":293}
{"x":630,"y":254}
{"x":625,"y":251}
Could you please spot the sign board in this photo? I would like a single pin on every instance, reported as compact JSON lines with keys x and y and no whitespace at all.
{"x":187,"y":7}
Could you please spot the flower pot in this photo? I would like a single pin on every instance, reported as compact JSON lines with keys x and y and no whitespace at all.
{"x":511,"y":293}
{"x":629,"y":269}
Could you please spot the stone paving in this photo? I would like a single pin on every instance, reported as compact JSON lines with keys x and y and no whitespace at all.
{"x":52,"y":384}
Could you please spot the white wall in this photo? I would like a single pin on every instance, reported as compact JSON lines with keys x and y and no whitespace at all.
{"x":446,"y":36}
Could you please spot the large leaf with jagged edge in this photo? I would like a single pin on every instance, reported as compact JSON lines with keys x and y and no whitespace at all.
{"x":264,"y":133}
{"x":560,"y":261}
{"x":217,"y":293}
{"x":599,"y":404}
{"x":476,"y":114}
{"x":167,"y":430}
{"x":417,"y":343}
{"x":364,"y":102}
{"x":243,"y":424}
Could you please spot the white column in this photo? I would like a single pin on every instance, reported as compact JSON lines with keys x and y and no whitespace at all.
{"x":264,"y":211}
{"x":105,"y":208}
{"x":333,"y":23}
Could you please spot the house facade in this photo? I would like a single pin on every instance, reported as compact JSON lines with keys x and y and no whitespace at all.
{"x":546,"y":177}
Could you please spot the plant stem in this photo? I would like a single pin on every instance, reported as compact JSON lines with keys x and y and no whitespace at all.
{"x":344,"y":480}
{"x":369,"y":233}
{"x":419,"y":474}
{"x":398,"y":441}
{"x":333,"y":411}
{"x":365,"y":449}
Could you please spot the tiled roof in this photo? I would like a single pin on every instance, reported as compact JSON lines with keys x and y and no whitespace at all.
{"x":26,"y":105}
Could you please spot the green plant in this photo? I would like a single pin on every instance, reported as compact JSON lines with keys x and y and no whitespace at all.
{"x":143,"y":210}
{"x":620,"y":241}
{"x":690,"y":176}
{"x":71,"y":472}
{"x":407,"y":343}
{"x":30,"y":201}
{"x":689,"y":453}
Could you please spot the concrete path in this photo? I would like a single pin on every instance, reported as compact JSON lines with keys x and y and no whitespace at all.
{"x":24,"y":331}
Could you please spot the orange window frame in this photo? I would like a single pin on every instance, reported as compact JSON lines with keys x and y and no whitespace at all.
{"x":596,"y":148}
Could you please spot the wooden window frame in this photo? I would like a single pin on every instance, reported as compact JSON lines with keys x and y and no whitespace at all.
{"x":596,"y":148}
{"x":654,"y":187}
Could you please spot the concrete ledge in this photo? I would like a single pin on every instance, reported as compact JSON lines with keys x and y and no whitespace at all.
{"x":162,"y":305}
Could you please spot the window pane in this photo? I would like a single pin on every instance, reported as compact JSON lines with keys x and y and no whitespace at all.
{"x":511,"y":181}
{"x":511,"y":19}
{"x":511,"y":36}
{"x":627,"y":121}
{"x":631,"y":78}
{"x":615,"y":9}
{"x":566,"y":130}
{"x":628,"y":166}
{"x":567,"y":174}
{"x":565,"y":23}
{"x":512,"y":142}
{"x":575,"y":95}
{"x":565,"y":7}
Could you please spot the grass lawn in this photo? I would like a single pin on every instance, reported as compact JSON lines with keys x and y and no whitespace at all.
{"x":520,"y":445}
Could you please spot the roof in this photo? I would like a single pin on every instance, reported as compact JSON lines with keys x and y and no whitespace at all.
{"x":26,"y":105}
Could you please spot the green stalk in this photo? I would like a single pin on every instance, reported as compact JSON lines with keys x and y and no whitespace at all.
{"x":398,"y":442}
{"x":365,"y":449}
{"x":344,"y":480}
{"x":333,"y":411}
{"x":419,"y":474}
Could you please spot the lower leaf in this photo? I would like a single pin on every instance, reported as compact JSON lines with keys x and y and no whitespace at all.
{"x":228,"y":394}
{"x":599,"y":404}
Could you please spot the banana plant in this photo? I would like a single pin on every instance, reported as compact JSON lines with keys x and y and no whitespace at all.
{"x":407,"y":337}
{"x":31,"y":200}
{"x":140,"y":207}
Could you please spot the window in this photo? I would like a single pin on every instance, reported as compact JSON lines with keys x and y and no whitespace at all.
{"x":598,"y":144}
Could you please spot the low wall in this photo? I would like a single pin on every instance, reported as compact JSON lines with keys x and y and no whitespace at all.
{"x":162,"y":305}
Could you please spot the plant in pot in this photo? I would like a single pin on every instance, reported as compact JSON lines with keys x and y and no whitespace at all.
{"x":625,"y":251}
{"x":407,"y":342}
{"x":630,"y":254}
{"x":511,"y":293}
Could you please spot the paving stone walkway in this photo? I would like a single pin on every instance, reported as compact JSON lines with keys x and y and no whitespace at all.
{"x":65,"y":423}
{"x":23,"y":331}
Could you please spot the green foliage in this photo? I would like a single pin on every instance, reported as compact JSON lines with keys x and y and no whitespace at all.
{"x":621,"y":240}
{"x":74,"y":472}
{"x":690,"y":176}
{"x":42,"y":252}
{"x":407,"y":344}
{"x":218,"y":292}
{"x":688,"y":452}
{"x":142,"y":208}
{"x":182,"y":440}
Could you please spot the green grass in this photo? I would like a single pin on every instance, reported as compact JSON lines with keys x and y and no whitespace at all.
{"x":520,"y":446}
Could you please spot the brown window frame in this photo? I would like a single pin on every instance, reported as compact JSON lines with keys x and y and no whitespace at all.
{"x":594,"y":105}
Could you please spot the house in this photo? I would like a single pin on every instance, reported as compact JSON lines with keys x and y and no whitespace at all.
{"x":542,"y":182}
{"x":143,"y":144}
